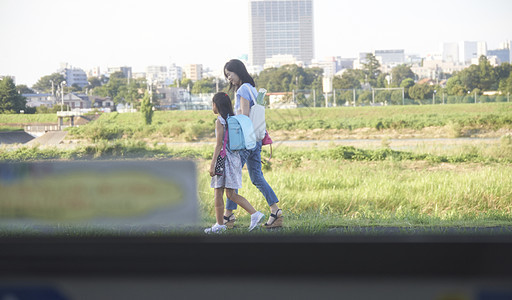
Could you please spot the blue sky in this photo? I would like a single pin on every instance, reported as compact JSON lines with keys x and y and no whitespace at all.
{"x":36,"y":36}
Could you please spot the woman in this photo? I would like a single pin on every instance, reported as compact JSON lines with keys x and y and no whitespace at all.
{"x":240,"y":80}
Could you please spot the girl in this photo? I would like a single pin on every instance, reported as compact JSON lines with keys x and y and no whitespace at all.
{"x":232,"y":177}
{"x":240,"y":80}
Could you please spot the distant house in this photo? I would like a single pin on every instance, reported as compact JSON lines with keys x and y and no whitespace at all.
{"x":171,"y":97}
{"x":77,"y":101}
{"x":426,"y":81}
{"x":36,"y":100}
{"x":281,"y":100}
{"x":101,"y":102}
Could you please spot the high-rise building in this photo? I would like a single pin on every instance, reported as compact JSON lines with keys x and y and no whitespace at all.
{"x":281,"y":27}
{"x":73,"y":76}
{"x":193,"y":72}
{"x":127,"y":71}
{"x":390,"y":57}
{"x":471,"y":50}
{"x":503,"y":55}
{"x":451,"y":52}
{"x":157,"y":75}
{"x":174,"y":73}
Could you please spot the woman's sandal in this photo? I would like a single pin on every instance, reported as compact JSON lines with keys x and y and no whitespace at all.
{"x":230,"y":221}
{"x":278,"y":220}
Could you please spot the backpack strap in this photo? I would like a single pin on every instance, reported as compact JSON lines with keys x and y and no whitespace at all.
{"x":224,"y":144}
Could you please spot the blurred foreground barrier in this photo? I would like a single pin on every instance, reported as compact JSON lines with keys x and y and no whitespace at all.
{"x":118,"y":196}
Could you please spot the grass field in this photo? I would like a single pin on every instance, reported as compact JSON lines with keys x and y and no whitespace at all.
{"x":336,"y":186}
{"x":329,"y":186}
{"x":450,"y":120}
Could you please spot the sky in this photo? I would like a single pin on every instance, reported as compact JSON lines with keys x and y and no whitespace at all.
{"x":36,"y":36}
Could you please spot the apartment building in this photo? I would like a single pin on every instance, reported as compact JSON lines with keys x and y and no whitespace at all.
{"x":280,"y":27}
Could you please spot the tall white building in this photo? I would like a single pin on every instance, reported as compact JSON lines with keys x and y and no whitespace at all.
{"x":127,"y":71}
{"x":390,"y":57}
{"x":451,"y":52}
{"x":94,"y":72}
{"x":73,"y":76}
{"x":157,"y":75}
{"x":471,"y":50}
{"x":280,"y":27}
{"x":174,"y":73}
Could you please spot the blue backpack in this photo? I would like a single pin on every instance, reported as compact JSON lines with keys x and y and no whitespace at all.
{"x":240,"y":133}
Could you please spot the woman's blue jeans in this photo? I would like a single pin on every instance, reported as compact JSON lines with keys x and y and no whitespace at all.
{"x":253,"y":160}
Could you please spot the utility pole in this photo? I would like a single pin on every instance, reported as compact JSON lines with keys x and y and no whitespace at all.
{"x":62,"y":95}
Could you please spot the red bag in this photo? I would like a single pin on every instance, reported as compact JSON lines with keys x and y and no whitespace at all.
{"x":266,"y":140}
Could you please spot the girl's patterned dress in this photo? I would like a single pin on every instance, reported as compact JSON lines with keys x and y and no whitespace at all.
{"x":232,"y":178}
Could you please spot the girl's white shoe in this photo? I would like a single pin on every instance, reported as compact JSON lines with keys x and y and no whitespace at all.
{"x":216,"y":228}
{"x":255,"y":220}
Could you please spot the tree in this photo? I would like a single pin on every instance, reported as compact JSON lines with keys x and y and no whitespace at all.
{"x":421,"y":91}
{"x":94,"y":82}
{"x":399,"y":74}
{"x":407,"y":83}
{"x":146,"y":109}
{"x":206,"y":86}
{"x":112,"y":88}
{"x":287,"y":78}
{"x":508,"y":86}
{"x":10,"y":100}
{"x":470,"y":77}
{"x":23,"y":89}
{"x":487,"y":75}
{"x":350,"y":79}
{"x":44,"y":84}
{"x":371,"y":69}
{"x":454,"y":86}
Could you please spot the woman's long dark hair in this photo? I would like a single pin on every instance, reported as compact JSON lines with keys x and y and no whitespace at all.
{"x":239,"y":69}
{"x":223,"y":103}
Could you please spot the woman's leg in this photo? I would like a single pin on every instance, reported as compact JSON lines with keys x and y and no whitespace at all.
{"x":254,"y":168}
{"x":240,"y":201}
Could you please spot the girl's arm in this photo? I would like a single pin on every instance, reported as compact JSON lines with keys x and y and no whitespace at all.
{"x":218,"y":146}
{"x":245,"y":106}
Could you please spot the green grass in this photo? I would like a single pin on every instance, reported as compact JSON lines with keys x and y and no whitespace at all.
{"x":385,"y":193}
{"x":10,"y":128}
{"x":27,"y":118}
{"x":198,"y":125}
{"x":495,"y":115}
{"x":338,"y":187}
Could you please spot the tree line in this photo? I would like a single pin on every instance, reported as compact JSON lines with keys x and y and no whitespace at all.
{"x":470,"y":82}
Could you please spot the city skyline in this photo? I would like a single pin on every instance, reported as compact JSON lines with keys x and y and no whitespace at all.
{"x":129,"y":33}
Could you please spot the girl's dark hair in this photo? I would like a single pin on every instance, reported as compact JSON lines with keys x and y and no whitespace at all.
{"x":224,"y":105}
{"x":239,"y":69}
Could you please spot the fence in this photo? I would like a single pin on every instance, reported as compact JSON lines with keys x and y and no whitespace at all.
{"x":379,"y":97}
{"x":339,"y":97}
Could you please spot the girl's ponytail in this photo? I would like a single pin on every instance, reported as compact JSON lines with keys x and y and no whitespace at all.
{"x":224,"y":105}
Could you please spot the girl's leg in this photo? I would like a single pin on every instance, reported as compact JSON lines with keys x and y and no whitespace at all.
{"x":231,"y":205}
{"x":219,"y":205}
{"x":231,"y":194}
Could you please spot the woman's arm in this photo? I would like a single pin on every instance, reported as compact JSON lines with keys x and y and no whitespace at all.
{"x":218,"y":146}
{"x":245,"y":106}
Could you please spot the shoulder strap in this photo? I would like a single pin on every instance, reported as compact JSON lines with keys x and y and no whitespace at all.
{"x":223,"y":151}
{"x":253,"y":97}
